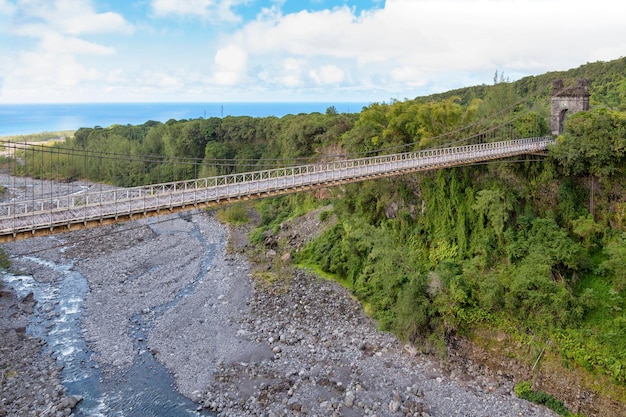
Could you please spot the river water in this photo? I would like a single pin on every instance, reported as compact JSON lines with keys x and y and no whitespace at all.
{"x":145,"y":388}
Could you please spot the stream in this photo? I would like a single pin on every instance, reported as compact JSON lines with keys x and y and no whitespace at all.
{"x":146,"y":388}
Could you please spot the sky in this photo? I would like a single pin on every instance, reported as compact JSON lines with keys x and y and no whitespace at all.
{"x":59,"y":51}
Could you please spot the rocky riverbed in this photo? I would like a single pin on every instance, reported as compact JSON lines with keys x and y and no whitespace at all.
{"x":30,"y":383}
{"x":236,"y":345}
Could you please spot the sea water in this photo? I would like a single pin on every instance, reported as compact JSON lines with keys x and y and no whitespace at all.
{"x":21,"y":119}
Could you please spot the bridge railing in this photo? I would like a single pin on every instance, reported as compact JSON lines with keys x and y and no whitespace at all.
{"x":89,"y":205}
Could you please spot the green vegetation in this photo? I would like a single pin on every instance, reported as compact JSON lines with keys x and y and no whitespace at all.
{"x":5,"y":263}
{"x":39,"y":137}
{"x":235,"y":214}
{"x":534,"y":247}
{"x":524,"y":391}
{"x":155,"y":152}
{"x":505,"y":242}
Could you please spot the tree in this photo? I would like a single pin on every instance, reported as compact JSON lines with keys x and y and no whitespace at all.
{"x":437,"y":118}
{"x":402,"y":125}
{"x":494,"y":208}
{"x":615,"y":252}
{"x":593,"y":143}
{"x":586,"y":228}
{"x":499,"y":97}
{"x":367,"y":134}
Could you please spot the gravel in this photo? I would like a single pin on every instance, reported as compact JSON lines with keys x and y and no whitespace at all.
{"x":330,"y":360}
{"x":30,"y":383}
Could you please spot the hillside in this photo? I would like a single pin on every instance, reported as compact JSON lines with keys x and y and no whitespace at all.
{"x":606,"y":79}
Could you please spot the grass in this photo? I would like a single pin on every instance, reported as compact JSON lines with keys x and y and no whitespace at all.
{"x":599,"y":342}
{"x":317,"y":271}
{"x":5,"y":263}
{"x":235,"y":214}
{"x":571,"y":354}
{"x":524,"y":391}
{"x":274,"y":281}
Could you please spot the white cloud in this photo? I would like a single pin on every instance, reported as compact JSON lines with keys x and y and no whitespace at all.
{"x":51,"y":72}
{"x":60,"y":59}
{"x":60,"y":44}
{"x":291,"y":74}
{"x":327,"y":74}
{"x":231,"y":65}
{"x":96,"y":23}
{"x":6,"y":8}
{"x":211,"y":10}
{"x":58,"y":24}
{"x":303,"y":33}
{"x":170,"y":82}
{"x":409,"y":44}
{"x":73,"y":17}
{"x":403,"y":49}
{"x":408,"y":74}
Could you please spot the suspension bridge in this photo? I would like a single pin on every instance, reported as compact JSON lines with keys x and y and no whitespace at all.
{"x":44,"y":208}
{"x":30,"y":206}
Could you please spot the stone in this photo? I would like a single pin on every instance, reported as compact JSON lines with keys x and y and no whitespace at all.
{"x":394,"y":406}
{"x":410,"y":349}
{"x":293,"y":405}
{"x":349,"y":399}
{"x":73,"y":400}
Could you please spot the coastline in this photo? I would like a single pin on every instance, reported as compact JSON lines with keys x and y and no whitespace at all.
{"x":24,"y":119}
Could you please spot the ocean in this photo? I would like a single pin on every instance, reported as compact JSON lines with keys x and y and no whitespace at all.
{"x":22,"y":119}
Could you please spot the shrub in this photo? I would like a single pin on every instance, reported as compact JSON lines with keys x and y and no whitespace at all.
{"x":524,"y":391}
{"x":5,"y":263}
{"x":234,"y":214}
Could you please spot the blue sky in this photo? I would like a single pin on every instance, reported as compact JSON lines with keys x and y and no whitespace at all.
{"x":290,"y":50}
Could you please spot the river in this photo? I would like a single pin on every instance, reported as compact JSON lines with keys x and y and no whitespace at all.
{"x":145,"y":387}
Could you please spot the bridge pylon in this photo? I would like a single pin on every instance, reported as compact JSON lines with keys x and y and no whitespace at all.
{"x":564,"y":100}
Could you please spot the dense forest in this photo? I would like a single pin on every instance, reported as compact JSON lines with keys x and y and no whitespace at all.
{"x":533,"y":246}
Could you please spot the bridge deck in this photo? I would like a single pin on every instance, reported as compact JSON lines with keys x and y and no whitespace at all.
{"x":19,"y":219}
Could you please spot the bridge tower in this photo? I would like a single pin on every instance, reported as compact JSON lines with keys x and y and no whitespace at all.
{"x":572,"y":99}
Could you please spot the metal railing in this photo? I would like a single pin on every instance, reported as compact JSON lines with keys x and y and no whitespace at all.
{"x":51,"y":212}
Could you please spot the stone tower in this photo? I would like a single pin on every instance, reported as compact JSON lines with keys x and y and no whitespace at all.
{"x":572,"y":99}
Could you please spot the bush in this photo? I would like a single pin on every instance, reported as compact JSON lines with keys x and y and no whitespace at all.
{"x":325,"y":214}
{"x":234,"y":214}
{"x":5,"y":263}
{"x":524,"y":391}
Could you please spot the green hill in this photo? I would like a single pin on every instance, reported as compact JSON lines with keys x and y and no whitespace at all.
{"x":607,"y":83}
